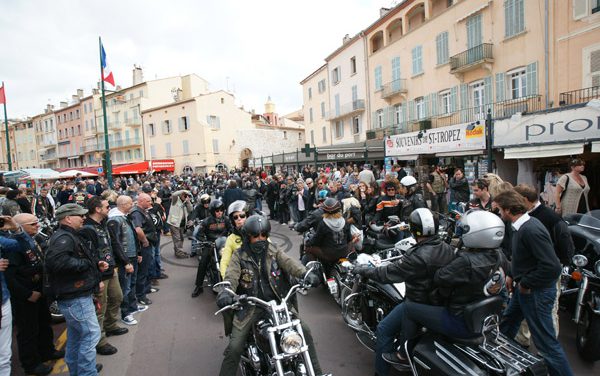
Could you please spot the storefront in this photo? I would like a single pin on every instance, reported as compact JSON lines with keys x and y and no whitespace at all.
{"x":536,"y":148}
{"x":460,"y":145}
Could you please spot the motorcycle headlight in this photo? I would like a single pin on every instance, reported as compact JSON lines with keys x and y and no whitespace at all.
{"x":597,"y":268}
{"x":580,"y":261}
{"x":291,"y":341}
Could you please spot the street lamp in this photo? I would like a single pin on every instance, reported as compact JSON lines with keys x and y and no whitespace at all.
{"x":488,"y":141}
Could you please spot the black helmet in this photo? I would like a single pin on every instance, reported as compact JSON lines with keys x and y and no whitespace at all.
{"x":423,"y":222}
{"x":331,"y":206}
{"x":216,"y":205}
{"x":256,"y":225}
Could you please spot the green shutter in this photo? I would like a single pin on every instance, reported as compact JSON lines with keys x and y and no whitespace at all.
{"x":464,"y":102}
{"x":411,"y":110}
{"x":396,"y":68}
{"x":404,"y":116}
{"x":438,"y":48}
{"x":500,"y":90}
{"x":434,"y":104}
{"x":508,"y":18}
{"x":453,"y":95}
{"x":426,"y":104}
{"x":532,"y":79}
{"x":487,"y":90}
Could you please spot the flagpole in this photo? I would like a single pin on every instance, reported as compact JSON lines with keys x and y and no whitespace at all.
{"x":108,"y":166}
{"x":6,"y":130}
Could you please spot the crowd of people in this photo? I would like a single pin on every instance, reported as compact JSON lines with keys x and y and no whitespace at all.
{"x":95,"y":249}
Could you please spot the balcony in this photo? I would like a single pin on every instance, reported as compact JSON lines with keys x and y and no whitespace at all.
{"x":49,"y":157}
{"x":579,"y":96}
{"x":394,"y":88}
{"x":134,"y":122}
{"x":347,"y":109}
{"x":92,"y":148}
{"x":472,"y":58}
{"x":116,"y":144}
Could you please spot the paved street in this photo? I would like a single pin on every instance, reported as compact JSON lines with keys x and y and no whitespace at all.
{"x":180,"y":336}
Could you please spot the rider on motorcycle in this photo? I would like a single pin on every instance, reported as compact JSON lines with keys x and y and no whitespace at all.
{"x":417,"y":269}
{"x":201,"y":210}
{"x":259,"y":269}
{"x":332,"y":239}
{"x":478,"y":271}
{"x":214,"y":228}
{"x":389,"y":204}
{"x":412,"y":198}
{"x":237,"y":212}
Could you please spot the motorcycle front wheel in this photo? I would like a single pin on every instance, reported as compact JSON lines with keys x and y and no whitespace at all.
{"x":588,"y":335}
{"x":352,"y":312}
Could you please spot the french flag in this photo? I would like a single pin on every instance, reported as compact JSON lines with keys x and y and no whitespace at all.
{"x":107,"y":75}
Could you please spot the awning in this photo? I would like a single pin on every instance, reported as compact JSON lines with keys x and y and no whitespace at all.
{"x":131,"y":168}
{"x":459,"y":153}
{"x":413,"y":157}
{"x":543,"y":151}
{"x":596,"y":147}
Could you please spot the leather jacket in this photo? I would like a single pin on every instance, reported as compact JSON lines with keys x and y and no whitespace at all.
{"x":100,"y":242}
{"x":25,"y":270}
{"x":417,"y":269}
{"x":212,"y":228}
{"x":410,"y":203}
{"x":386,"y":208}
{"x":462,"y":281}
{"x":311,"y":221}
{"x":123,"y":236}
{"x":70,"y":267}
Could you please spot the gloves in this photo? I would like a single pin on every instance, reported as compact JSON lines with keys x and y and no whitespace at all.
{"x":312,"y":280}
{"x":365,"y":271}
{"x":224,"y":299}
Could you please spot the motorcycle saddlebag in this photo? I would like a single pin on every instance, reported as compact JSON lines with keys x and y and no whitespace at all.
{"x":435,"y":356}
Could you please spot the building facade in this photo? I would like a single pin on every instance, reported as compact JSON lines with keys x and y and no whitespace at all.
{"x":45,"y":134}
{"x":315,"y":93}
{"x":27,"y":155}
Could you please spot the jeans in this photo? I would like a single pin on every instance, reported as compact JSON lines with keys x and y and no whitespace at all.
{"x":110,"y":300}
{"x":259,"y":205}
{"x":83,"y":334}
{"x":156,"y":267}
{"x":387,"y":331}
{"x":435,"y":318}
{"x":536,"y":308}
{"x":128,"y":283}
{"x":143,"y":284}
{"x":5,"y":339}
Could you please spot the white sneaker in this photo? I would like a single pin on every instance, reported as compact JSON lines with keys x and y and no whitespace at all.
{"x":141,"y":308}
{"x":129,"y":320}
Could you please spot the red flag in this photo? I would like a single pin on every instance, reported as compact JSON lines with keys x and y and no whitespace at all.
{"x":2,"y":96}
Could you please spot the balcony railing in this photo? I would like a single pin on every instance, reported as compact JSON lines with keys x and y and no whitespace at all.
{"x":347,"y":110}
{"x":124,"y":143}
{"x":471,"y":58}
{"x":394,"y":88}
{"x":579,"y":96}
{"x":49,"y":156}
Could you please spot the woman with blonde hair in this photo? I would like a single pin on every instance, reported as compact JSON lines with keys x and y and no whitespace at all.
{"x":572,"y":190}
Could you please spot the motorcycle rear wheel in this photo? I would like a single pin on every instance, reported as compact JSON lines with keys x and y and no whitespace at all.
{"x":588,"y":335}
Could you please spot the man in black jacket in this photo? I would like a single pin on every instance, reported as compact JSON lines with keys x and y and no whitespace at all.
{"x":147,"y":236}
{"x":534,"y":269}
{"x":417,"y":269}
{"x":96,"y":233}
{"x":272,"y":196}
{"x":73,"y":276}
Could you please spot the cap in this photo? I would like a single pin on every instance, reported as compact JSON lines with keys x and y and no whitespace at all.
{"x":69,"y":209}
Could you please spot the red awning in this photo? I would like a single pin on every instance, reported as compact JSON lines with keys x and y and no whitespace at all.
{"x":131,"y":168}
{"x":163,"y":165}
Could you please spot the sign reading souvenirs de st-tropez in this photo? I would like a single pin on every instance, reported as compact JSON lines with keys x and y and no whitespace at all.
{"x":462,"y":137}
{"x":578,"y":124}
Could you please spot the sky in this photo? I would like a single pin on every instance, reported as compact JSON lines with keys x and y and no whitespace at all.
{"x":254,"y":48}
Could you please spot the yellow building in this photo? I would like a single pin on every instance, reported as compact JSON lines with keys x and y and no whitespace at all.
{"x":45,"y":135}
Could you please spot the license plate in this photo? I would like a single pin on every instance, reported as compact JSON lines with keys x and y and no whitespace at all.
{"x":333,"y":287}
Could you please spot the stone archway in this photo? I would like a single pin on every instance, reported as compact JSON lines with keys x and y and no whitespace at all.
{"x":245,"y":156}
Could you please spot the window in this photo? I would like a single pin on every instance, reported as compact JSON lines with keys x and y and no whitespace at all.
{"x":213,"y":121}
{"x":417,"y":60}
{"x":70,"y":115}
{"x":398,"y":115}
{"x":353,"y":65}
{"x":591,"y":67}
{"x":310,"y":114}
{"x":141,"y":93}
{"x":474,"y":32}
{"x":168,"y":151}
{"x":514,"y":17}
{"x":285,"y":135}
{"x":477,"y":97}
{"x":445,"y":102}
{"x":215,"y":143}
{"x":151,"y":131}
{"x":339,"y":129}
{"x":119,"y":156}
{"x":300,"y":136}
{"x":441,"y":44}
{"x":324,"y":129}
{"x":184,"y":124}
{"x":85,"y":108}
{"x":378,"y":78}
{"x":152,"y":151}
{"x":185,"y":144}
{"x":136,"y":113}
{"x":420,"y":105}
{"x":310,"y":93}
{"x":517,"y":83}
{"x":337,"y":104}
{"x":166,"y":127}
{"x":72,"y":131}
{"x":77,"y":114}
{"x":321,"y":86}
{"x":354,"y":95}
{"x":138,"y":153}
{"x":60,"y":133}
{"x":322,"y":109}
{"x":125,"y":116}
{"x":312,"y":137}
{"x":356,"y":125}
{"x":79,"y":129}
{"x":87,"y":128}
{"x":128,"y":155}
{"x":379,"y":119}
{"x":336,"y":75}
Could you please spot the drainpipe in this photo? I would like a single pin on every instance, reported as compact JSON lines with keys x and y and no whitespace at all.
{"x":546,"y":53}
{"x":368,"y":82}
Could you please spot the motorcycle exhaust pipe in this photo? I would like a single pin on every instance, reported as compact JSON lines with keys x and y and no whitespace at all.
{"x":580,"y":297}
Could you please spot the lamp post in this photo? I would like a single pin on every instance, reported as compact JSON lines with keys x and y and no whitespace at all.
{"x":488,"y":141}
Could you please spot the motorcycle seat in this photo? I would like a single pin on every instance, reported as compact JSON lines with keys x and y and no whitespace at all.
{"x":384,"y":244}
{"x":473,"y":341}
{"x":475,"y":313}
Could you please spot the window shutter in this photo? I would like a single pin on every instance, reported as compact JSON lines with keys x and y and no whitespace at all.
{"x":218,"y":120}
{"x":453,"y":94}
{"x":389,"y":118}
{"x":180,"y":123}
{"x":500,"y":80}
{"x":487,"y":90}
{"x":411,"y":110}
{"x":404,"y":116}
{"x":187,"y":121}
{"x":434,"y":109}
{"x":580,"y":9}
{"x":531,"y":79}
{"x":208,"y":121}
{"x":595,"y":68}
{"x":337,"y":105}
{"x":414,"y":61}
{"x":396,"y":68}
{"x":464,"y":96}
{"x":438,"y":48}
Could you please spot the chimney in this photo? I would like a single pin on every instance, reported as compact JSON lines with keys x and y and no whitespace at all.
{"x":63,"y":104}
{"x":138,"y":75}
{"x":80,"y":93}
{"x":346,"y":39}
{"x":49,"y":108}
{"x":75,"y":98}
{"x":383,"y":12}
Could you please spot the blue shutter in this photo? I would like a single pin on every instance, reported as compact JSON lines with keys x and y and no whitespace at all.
{"x":474,"y":32}
{"x":441,"y":44}
{"x":187,"y":121}
{"x":464,"y":102}
{"x":414,"y":61}
{"x":532,"y":79}
{"x":500,"y":90}
{"x":438,"y":48}
{"x":434,"y":109}
{"x":378,"y":78}
{"x":487,"y":90}
{"x":404,"y":116}
{"x":411,"y":110}
{"x":508,"y":18}
{"x":396,"y":68}
{"x":453,"y":95}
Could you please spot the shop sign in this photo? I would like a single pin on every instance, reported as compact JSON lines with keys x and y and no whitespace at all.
{"x":290,"y":158}
{"x":463,"y":137}
{"x":570,"y":125}
{"x":341,"y":156}
{"x":162,"y":165}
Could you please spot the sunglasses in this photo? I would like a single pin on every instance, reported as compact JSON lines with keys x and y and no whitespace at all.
{"x":260,"y":235}
{"x":239,"y":216}
{"x":390,"y":189}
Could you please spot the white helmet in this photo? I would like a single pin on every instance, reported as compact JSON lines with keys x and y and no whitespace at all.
{"x":408,"y":181}
{"x":482,"y":229}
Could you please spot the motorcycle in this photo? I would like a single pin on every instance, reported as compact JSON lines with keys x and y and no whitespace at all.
{"x":276,"y":345}
{"x":580,"y":284}
{"x":489,"y":353}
